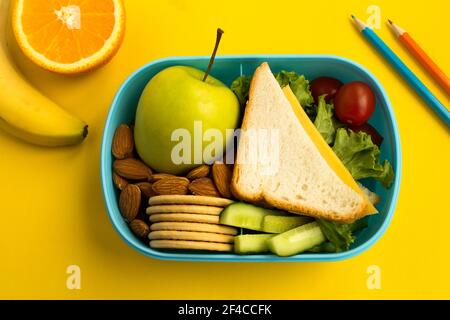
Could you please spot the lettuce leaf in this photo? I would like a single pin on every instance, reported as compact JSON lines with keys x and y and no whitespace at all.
{"x":338,"y":234}
{"x":298,"y":84}
{"x":325,"y":122}
{"x":327,"y":247}
{"x":240,"y":86}
{"x":362,"y":157}
{"x":300,"y":87}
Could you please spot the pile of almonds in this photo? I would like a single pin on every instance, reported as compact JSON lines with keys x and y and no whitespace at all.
{"x":137,"y":182}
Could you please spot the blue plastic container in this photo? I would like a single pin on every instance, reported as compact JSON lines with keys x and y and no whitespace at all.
{"x":227,"y":68}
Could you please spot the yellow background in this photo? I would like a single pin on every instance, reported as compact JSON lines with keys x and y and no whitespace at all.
{"x":51,"y":207}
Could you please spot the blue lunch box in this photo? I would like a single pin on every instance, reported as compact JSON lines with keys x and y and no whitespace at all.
{"x":226,"y":69}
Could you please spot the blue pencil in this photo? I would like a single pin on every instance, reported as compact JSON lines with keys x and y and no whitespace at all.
{"x":406,"y":73}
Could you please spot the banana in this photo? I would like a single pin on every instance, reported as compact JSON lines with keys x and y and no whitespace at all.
{"x":24,"y":111}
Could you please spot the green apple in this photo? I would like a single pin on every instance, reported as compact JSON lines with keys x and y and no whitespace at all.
{"x":177,"y":98}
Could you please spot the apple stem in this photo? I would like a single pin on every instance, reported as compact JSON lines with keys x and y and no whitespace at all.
{"x":213,"y":56}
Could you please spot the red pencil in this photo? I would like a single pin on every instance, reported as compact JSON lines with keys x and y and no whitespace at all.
{"x":414,"y":48}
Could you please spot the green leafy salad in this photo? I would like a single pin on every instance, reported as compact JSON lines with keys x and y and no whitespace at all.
{"x":356,"y":150}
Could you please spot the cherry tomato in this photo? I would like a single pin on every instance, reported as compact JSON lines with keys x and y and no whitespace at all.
{"x":325,"y":85}
{"x":354,"y":103}
{"x":367,"y":128}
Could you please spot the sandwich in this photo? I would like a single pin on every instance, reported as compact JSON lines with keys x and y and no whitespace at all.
{"x":309,"y":178}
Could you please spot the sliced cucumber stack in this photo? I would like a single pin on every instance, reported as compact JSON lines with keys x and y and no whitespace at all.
{"x":248,"y":216}
{"x":251,"y":243}
{"x":296,"y":240}
{"x":280,"y":224}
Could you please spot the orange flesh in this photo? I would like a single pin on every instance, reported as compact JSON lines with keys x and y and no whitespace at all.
{"x":53,"y":38}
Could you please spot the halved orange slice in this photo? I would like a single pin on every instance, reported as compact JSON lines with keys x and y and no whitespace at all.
{"x":69,"y":36}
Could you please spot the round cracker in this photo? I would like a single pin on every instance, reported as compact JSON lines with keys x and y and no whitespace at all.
{"x":184,"y":217}
{"x":189,"y":199}
{"x":190,"y":236}
{"x":184,"y":208}
{"x":192,"y":245}
{"x":192,"y":226}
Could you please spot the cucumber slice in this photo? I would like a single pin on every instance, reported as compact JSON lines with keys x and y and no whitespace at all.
{"x":244,"y":215}
{"x":296,"y":240}
{"x":251,"y":243}
{"x":280,"y":224}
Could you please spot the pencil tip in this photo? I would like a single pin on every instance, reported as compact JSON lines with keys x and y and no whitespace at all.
{"x":389,"y":20}
{"x":352,"y":16}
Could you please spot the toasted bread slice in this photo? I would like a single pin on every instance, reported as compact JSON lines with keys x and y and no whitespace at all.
{"x":306,"y":177}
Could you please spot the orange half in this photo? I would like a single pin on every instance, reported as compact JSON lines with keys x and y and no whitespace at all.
{"x":69,"y":36}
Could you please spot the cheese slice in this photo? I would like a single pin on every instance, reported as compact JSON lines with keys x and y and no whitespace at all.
{"x":325,"y":150}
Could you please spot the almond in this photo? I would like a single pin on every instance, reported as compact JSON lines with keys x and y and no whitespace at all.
{"x":171,"y":185}
{"x":130,"y":202}
{"x":158,"y":176}
{"x":119,"y":182}
{"x":146,"y":189}
{"x":123,"y":143}
{"x":132,"y":169}
{"x":222,"y":178}
{"x":139,"y":228}
{"x":203,"y":187}
{"x":199,"y":172}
